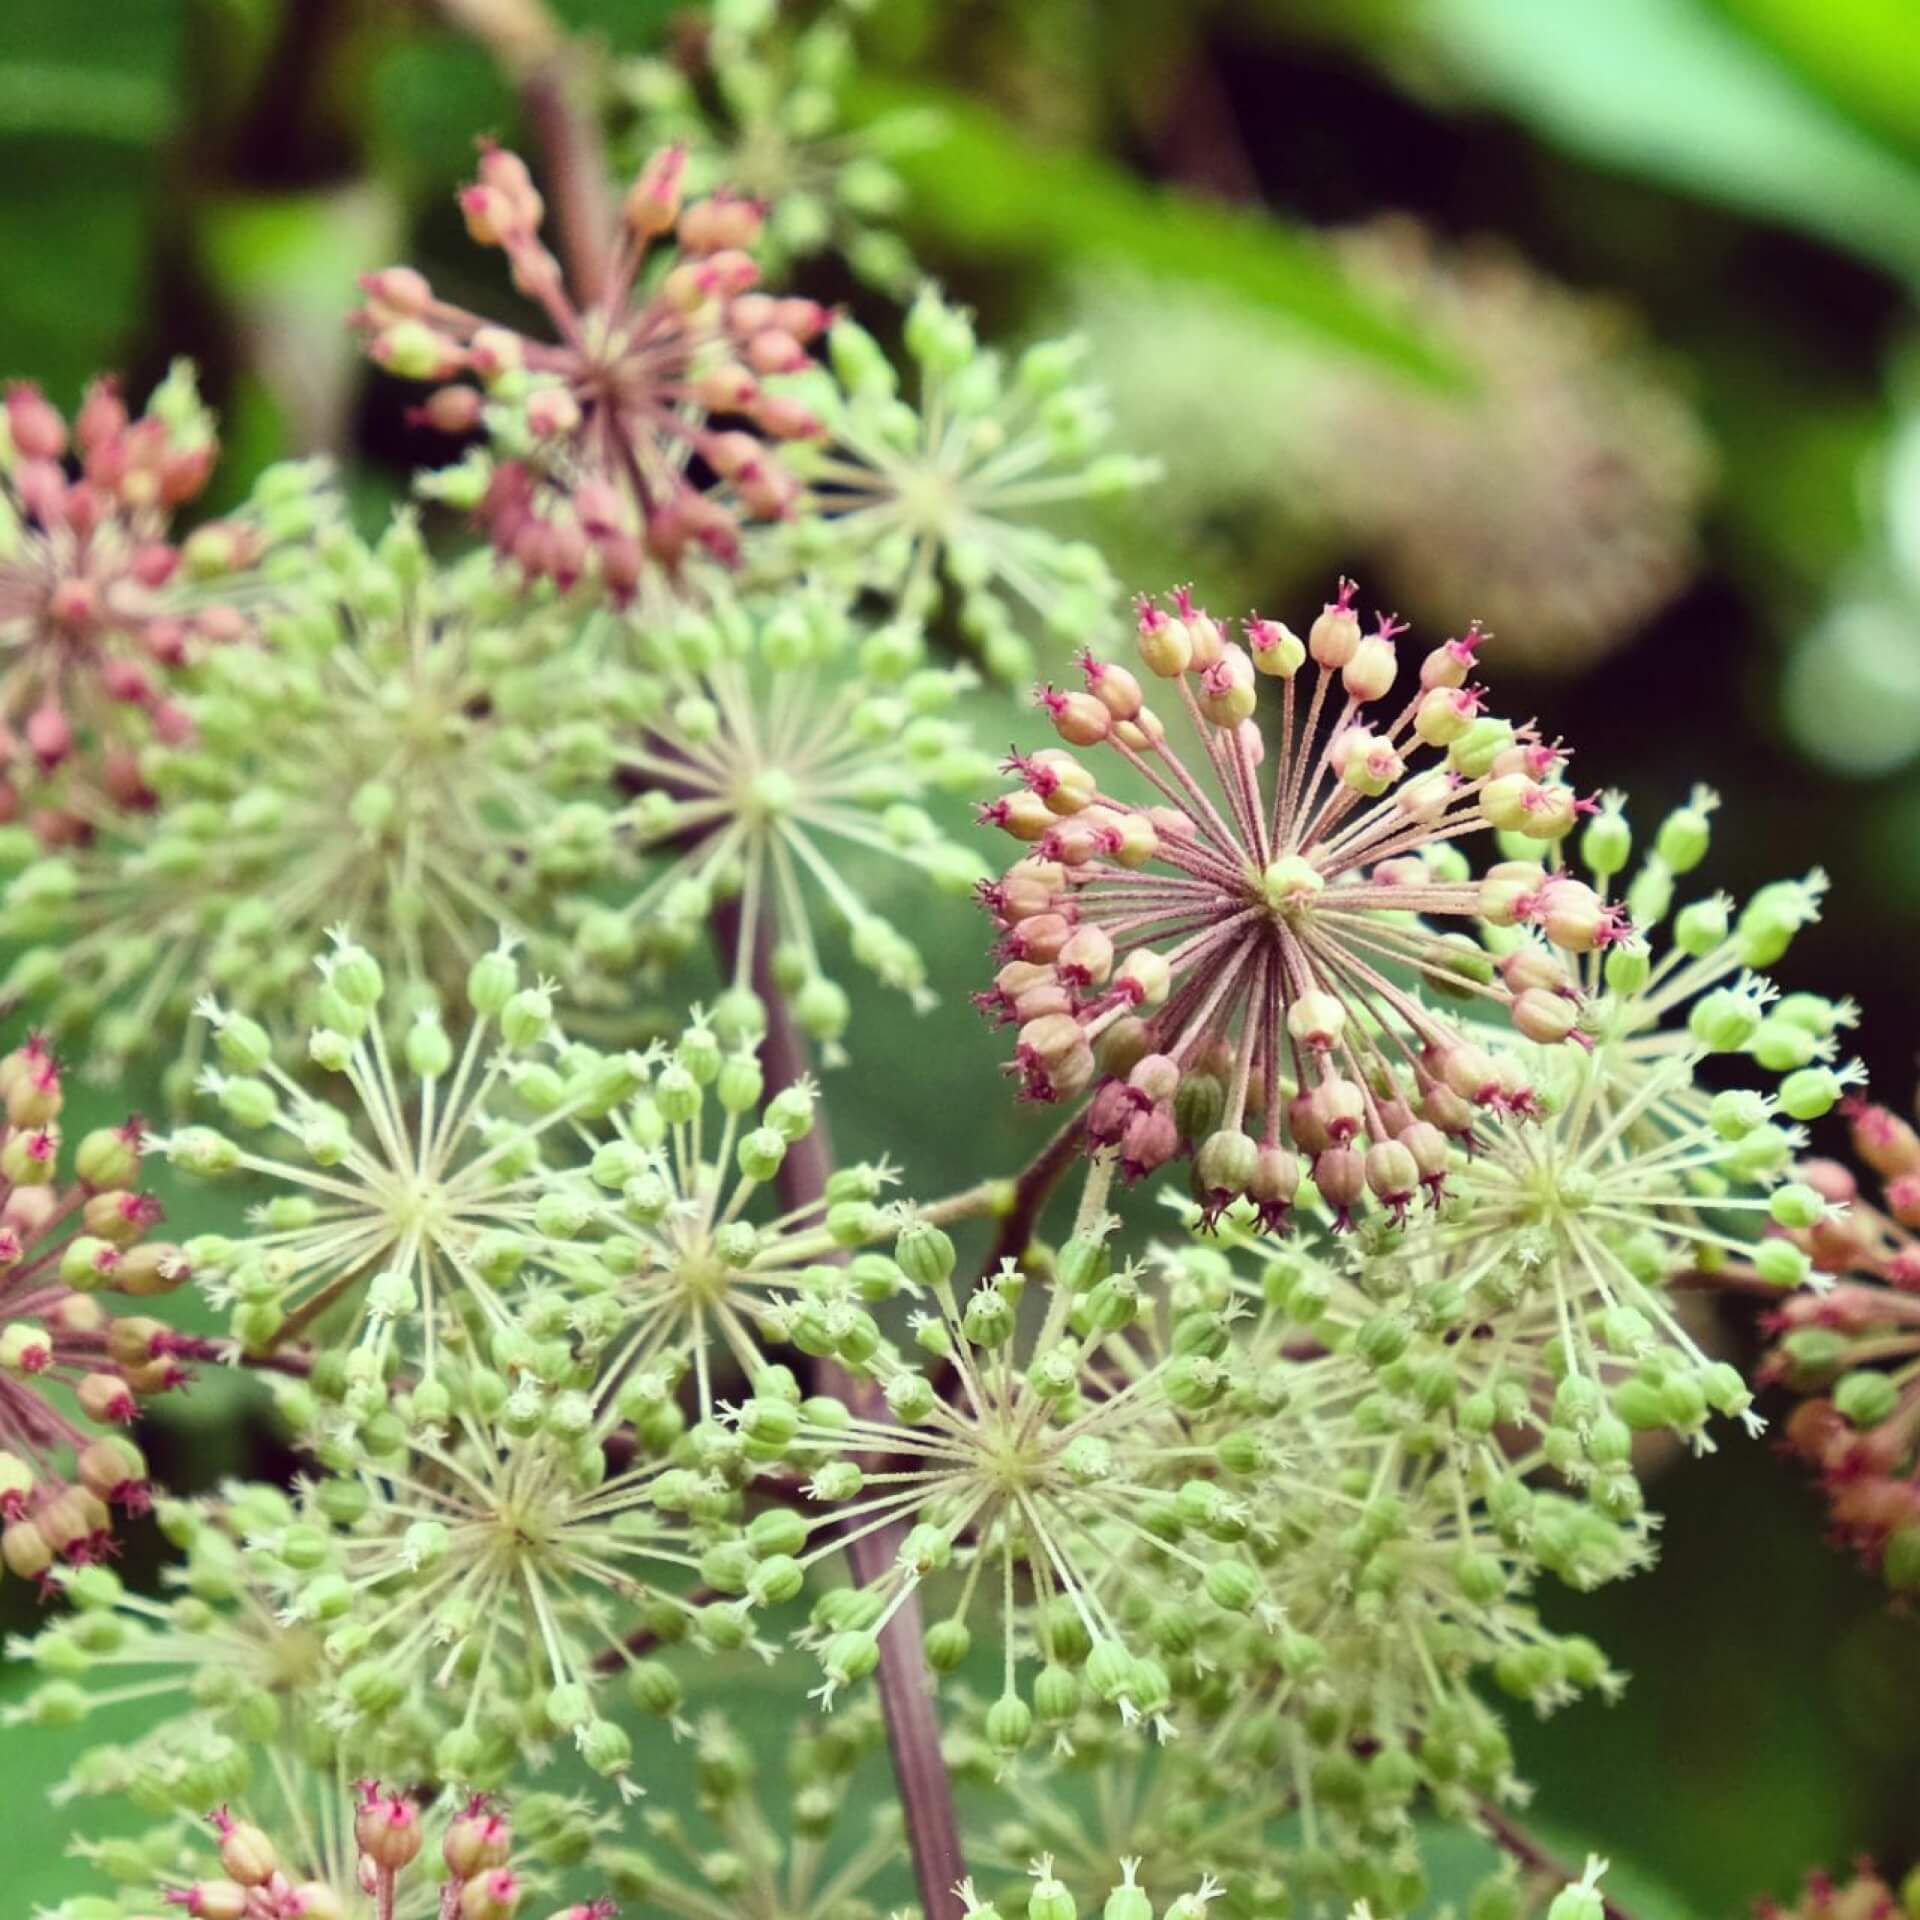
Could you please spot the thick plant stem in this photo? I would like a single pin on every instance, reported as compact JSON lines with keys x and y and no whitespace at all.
{"x":904,"y":1678}
{"x":1511,"y":1837}
{"x":1032,"y":1188}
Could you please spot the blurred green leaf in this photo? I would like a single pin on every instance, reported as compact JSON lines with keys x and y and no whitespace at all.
{"x":1666,"y":89}
{"x":137,"y":108}
{"x":1863,"y":56}
{"x":429,"y":96}
{"x":986,"y":187}
{"x":72,"y":228}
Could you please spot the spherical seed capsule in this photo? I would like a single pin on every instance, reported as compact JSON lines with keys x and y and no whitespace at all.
{"x":1276,"y":649}
{"x":1373,"y":668}
{"x":1335,"y":636}
{"x":1078,"y":718}
{"x":1316,"y":1020}
{"x":1544,"y":1016}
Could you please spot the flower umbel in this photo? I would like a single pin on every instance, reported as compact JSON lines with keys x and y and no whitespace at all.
{"x":1215,"y":957}
{"x":411,"y":751}
{"x":776,"y":739}
{"x":101,"y":608}
{"x":423,"y":1193}
{"x":763,"y":117}
{"x":71,"y":1373}
{"x":908,"y":494}
{"x":595,"y":433}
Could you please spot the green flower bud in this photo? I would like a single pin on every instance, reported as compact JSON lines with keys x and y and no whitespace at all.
{"x":1009,"y":1723}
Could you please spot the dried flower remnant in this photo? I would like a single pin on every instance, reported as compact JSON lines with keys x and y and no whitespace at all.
{"x":777,"y":741}
{"x":413,"y":751}
{"x":102,"y":608}
{"x":1848,"y":1340}
{"x":908,"y":494}
{"x":72,"y":1229}
{"x":1215,"y":957}
{"x":419,"y":1194}
{"x":1558,"y":500}
{"x":599,"y":437}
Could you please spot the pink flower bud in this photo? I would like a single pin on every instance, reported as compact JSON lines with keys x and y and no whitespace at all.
{"x":1339,"y":1107}
{"x":1079,"y":719}
{"x":721,"y":221}
{"x":404,"y":293}
{"x":1275,"y":1182}
{"x":652,"y":203}
{"x":1334,"y":637}
{"x":1227,"y":693}
{"x":1315,"y":1020}
{"x":37,"y":429}
{"x":1151,"y":1141}
{"x":1444,"y":714}
{"x":1145,"y":977}
{"x":1543,"y":1016}
{"x":477,"y":1840}
{"x":1371,"y":672}
{"x":495,"y":1895}
{"x":1275,"y":647}
{"x":386,"y":1828}
{"x":488,"y":214}
{"x":215,"y":1900}
{"x":785,"y":417}
{"x":804,"y":319}
{"x":552,"y":412}
{"x":1087,"y":958}
{"x":1114,"y":687}
{"x":774,"y":351}
{"x":1449,"y":664}
{"x":245,"y":1852}
{"x":50,"y":734}
{"x":154,"y":564}
{"x":1392,"y":1175}
{"x":1535,"y":966}
{"x":726,"y":388}
{"x":1165,"y":645}
{"x":451,"y":410}
{"x":1111,"y":1113}
{"x":105,"y":1397}
{"x":1882,"y":1139}
{"x":1341,"y":1175}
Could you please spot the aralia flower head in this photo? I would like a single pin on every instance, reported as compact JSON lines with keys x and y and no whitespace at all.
{"x":1057,"y":1480}
{"x":596,"y":434}
{"x":776,"y":740}
{"x":951,"y":495}
{"x":104,"y":610}
{"x":412,"y":1191}
{"x":73,"y":1372}
{"x":412,"y":750}
{"x":1846,"y":1339}
{"x":1252,"y":961}
{"x":765,"y":115}
{"x":698,"y":1284}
